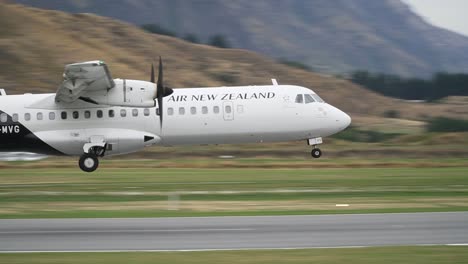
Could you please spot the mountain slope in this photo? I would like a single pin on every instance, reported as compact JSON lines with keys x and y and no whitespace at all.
{"x":35,"y":45}
{"x":331,"y":36}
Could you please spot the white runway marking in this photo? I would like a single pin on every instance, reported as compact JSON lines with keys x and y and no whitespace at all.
{"x":342,"y":205}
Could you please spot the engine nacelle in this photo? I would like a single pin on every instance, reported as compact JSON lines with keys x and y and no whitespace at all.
{"x":128,"y":93}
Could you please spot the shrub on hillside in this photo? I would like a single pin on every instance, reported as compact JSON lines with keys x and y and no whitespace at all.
{"x":226,"y":77}
{"x":192,"y":38}
{"x":219,"y":41}
{"x":392,"y":114}
{"x":369,"y":136}
{"x":295,"y":64}
{"x":444,"y":124}
{"x":157,"y":29}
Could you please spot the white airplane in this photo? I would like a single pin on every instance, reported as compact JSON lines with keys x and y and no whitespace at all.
{"x":92,"y":115}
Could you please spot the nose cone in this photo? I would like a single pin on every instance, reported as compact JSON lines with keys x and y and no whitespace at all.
{"x":345,"y":120}
{"x":341,"y":120}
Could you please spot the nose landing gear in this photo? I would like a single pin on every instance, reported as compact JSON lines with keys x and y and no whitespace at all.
{"x":316,"y":152}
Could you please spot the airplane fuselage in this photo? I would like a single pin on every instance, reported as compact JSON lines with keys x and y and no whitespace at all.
{"x":221,"y":115}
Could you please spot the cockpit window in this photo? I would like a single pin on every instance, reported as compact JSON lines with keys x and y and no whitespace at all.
{"x":299,"y":99}
{"x":308,"y":98}
{"x":317,"y":98}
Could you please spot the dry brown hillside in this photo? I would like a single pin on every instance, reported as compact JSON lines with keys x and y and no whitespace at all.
{"x":35,"y":44}
{"x":338,"y":36}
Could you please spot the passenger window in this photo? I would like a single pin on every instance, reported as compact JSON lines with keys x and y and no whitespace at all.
{"x":3,"y":118}
{"x":193,"y":110}
{"x":14,"y":118}
{"x":123,"y":113}
{"x":308,"y":98}
{"x":134,"y":112}
{"x":63,"y":115}
{"x":51,"y":115}
{"x":39,"y":116}
{"x":99,"y":113}
{"x":204,"y":110}
{"x":27,"y":116}
{"x":181,"y":111}
{"x":216,"y":109}
{"x":111,"y":113}
{"x":146,"y":112}
{"x":170,"y":111}
{"x":87,"y":114}
{"x":299,"y":99}
{"x":228,"y":109}
{"x":75,"y":114}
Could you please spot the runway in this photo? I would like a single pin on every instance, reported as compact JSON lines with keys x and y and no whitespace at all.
{"x":215,"y":233}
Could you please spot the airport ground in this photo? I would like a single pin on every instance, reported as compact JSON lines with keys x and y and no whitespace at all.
{"x":409,"y":254}
{"x":139,"y":189}
{"x":405,"y":174}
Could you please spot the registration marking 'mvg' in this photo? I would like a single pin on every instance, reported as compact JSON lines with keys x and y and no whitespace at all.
{"x":10,"y":129}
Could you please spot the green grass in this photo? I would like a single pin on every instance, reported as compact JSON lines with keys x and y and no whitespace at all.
{"x":170,"y":213}
{"x":412,"y":255}
{"x":145,"y":192}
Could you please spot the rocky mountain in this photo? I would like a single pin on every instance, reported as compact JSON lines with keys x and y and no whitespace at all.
{"x":336,"y":36}
{"x":35,"y":44}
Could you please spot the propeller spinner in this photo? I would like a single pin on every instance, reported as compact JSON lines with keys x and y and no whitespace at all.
{"x":161,"y":90}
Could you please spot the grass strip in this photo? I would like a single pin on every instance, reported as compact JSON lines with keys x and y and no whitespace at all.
{"x":371,"y":255}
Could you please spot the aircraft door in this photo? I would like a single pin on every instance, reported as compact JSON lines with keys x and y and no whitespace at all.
{"x":127,"y":92}
{"x":228,"y":111}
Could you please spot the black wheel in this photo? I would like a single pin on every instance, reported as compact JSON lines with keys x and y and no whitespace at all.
{"x":88,"y":162}
{"x":316,"y":153}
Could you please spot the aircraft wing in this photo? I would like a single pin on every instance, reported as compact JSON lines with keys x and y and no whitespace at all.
{"x":83,"y":77}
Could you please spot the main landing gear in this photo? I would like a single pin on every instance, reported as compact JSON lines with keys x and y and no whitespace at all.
{"x":316,"y":152}
{"x":89,"y":161}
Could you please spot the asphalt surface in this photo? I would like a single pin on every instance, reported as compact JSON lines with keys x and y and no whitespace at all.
{"x":209,"y":233}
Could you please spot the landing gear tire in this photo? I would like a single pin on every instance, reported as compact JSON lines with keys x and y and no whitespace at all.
{"x":88,"y":162}
{"x":316,"y":153}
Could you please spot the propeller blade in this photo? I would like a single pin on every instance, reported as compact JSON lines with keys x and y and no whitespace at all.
{"x":160,"y":91}
{"x":160,"y":102}
{"x":160,"y":76}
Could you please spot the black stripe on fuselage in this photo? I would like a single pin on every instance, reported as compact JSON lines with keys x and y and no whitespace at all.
{"x":14,"y":137}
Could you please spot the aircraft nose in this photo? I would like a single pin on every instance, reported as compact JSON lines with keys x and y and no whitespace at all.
{"x":342,"y":120}
{"x":346,"y":120}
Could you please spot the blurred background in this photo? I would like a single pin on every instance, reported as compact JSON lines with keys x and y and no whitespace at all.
{"x":399,"y":68}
